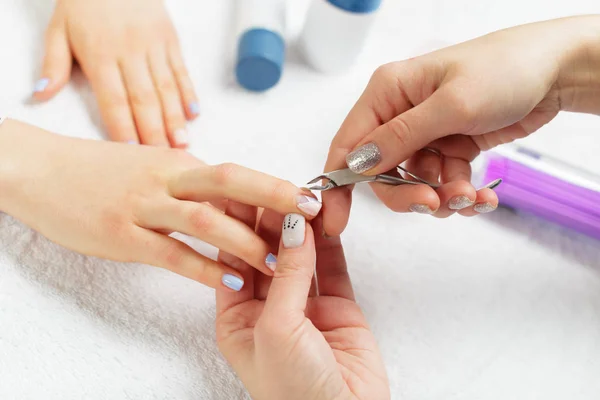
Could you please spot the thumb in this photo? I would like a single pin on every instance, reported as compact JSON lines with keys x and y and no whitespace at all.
{"x":295,"y":267}
{"x":58,"y":61}
{"x":395,"y":141}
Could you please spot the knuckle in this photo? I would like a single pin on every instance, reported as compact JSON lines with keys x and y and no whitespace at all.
{"x":279,"y":192}
{"x":401,"y":130}
{"x":166,"y":86}
{"x":171,"y":255}
{"x":385,"y":72}
{"x":292,"y":269}
{"x":114,"y":101}
{"x":200,"y":220}
{"x":142,"y":97}
{"x":222,"y":173}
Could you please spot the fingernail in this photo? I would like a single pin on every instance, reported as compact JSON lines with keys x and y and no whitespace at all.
{"x":181,"y":137}
{"x":232,"y":282}
{"x":271,"y":261}
{"x":364,"y":158}
{"x":483,"y":208}
{"x":459,"y":202}
{"x":132,"y":142}
{"x":421,"y":209}
{"x":194,"y":108}
{"x":294,"y":226}
{"x":308,"y":204}
{"x":41,"y":85}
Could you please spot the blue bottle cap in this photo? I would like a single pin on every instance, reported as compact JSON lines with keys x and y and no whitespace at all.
{"x":357,"y":6}
{"x":260,"y":59}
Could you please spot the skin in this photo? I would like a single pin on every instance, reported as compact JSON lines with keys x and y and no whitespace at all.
{"x":287,"y":337}
{"x":120,"y":202}
{"x":463,"y":100}
{"x":130,"y":52}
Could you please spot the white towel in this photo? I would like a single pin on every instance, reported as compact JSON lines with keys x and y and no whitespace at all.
{"x":495,"y":307}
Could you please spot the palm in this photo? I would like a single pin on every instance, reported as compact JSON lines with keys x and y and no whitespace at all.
{"x":342,"y":324}
{"x":328,"y":344}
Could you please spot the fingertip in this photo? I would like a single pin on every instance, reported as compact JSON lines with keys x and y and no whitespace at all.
{"x":192,"y":110}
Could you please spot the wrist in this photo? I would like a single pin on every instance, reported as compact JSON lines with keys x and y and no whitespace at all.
{"x":16,"y":139}
{"x":578,"y":80}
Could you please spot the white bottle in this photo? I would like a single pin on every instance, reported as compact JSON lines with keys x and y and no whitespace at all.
{"x":261,"y":45}
{"x":335,"y":32}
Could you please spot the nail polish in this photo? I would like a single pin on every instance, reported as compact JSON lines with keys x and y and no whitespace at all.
{"x":194,"y":108}
{"x":232,"y":282}
{"x":271,"y":261}
{"x":294,"y":227}
{"x":309,"y":205}
{"x":132,"y":142}
{"x":483,"y":208}
{"x":41,"y":85}
{"x":364,"y":158}
{"x":181,"y":137}
{"x":459,"y":202}
{"x":421,"y":209}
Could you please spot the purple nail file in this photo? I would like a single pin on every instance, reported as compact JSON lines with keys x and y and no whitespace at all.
{"x":564,"y":197}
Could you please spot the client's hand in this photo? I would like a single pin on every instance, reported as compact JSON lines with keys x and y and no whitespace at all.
{"x":130,"y":52}
{"x":121,"y":202}
{"x":288,"y":340}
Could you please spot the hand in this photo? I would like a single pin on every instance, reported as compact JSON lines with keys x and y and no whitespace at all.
{"x":288,"y":339}
{"x":130,"y":52}
{"x":121,"y":202}
{"x":457,"y":102}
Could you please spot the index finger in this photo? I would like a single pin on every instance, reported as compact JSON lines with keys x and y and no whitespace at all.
{"x":245,"y":186}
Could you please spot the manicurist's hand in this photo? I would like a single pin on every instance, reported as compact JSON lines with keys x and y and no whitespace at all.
{"x":286,"y":339}
{"x":121,"y":202}
{"x":440,"y":110}
{"x":130,"y":52}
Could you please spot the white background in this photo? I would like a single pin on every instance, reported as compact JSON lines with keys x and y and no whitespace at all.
{"x":497,"y":307}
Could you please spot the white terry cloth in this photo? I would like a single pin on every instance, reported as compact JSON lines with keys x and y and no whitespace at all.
{"x":494,"y":307}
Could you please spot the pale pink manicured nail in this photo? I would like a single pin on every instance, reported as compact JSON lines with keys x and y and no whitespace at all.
{"x":309,"y":205}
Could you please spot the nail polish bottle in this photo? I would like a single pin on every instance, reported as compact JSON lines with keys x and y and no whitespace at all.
{"x":260,"y":45}
{"x":335,"y":32}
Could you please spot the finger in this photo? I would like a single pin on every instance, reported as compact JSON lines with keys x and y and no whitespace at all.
{"x":243,"y":185}
{"x":144,"y":101}
{"x":168,"y":92}
{"x":426,"y":165}
{"x":395,"y":141}
{"x":487,"y":201}
{"x":184,"y":83}
{"x":455,"y":196}
{"x":58,"y":61}
{"x":165,"y":252}
{"x":269,"y":228}
{"x":332,"y":271}
{"x":455,"y":169}
{"x":209,"y":224}
{"x":226,"y":300}
{"x":420,"y":198}
{"x":295,"y":267}
{"x":107,"y":83}
{"x":336,"y":210}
